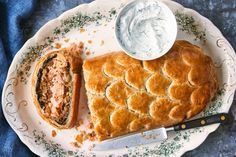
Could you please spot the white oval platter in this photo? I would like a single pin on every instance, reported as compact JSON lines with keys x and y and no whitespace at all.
{"x":95,"y":22}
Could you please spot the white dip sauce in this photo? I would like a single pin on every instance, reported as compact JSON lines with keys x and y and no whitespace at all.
{"x":144,"y":28}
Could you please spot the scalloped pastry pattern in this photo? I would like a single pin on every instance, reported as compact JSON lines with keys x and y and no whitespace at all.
{"x":126,"y":95}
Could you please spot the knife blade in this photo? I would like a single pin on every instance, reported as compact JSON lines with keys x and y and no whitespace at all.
{"x":133,"y":140}
{"x":159,"y":134}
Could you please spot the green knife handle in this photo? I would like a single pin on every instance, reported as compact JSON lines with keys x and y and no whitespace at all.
{"x":217,"y":118}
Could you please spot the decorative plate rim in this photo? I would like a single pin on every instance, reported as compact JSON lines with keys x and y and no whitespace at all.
{"x":228,"y":44}
{"x":36,"y":38}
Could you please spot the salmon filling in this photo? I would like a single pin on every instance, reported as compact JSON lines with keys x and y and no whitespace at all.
{"x":54,"y":89}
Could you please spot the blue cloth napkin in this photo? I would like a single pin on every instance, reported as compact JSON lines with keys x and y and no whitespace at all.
{"x":11,"y":40}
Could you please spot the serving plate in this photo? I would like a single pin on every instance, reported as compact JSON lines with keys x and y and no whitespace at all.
{"x":93,"y":24}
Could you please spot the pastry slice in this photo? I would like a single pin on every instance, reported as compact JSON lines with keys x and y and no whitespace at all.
{"x":127,"y":95}
{"x":55,"y":87}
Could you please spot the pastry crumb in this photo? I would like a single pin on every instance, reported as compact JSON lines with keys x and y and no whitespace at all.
{"x":75,"y":144}
{"x":66,"y":40}
{"x":53,"y":133}
{"x":90,"y":41}
{"x":78,"y":49}
{"x":81,"y":45}
{"x":81,"y":137}
{"x":94,"y":31}
{"x":81,"y":122}
{"x":87,"y":53}
{"x":92,"y":136}
{"x":81,"y":30}
{"x":57,"y":45}
{"x":90,"y":125}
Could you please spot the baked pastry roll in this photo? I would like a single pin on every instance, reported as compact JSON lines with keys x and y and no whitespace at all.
{"x":127,"y":95}
{"x":56,"y":85}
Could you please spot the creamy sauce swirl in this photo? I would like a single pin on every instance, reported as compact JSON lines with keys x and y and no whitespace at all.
{"x":144,"y":28}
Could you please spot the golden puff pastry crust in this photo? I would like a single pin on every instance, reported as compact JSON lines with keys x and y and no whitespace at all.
{"x":127,"y":95}
{"x":55,"y":87}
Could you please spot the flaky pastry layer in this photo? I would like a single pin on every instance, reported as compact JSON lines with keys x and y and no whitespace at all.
{"x":127,"y":95}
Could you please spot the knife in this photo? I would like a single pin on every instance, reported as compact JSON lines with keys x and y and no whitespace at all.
{"x":159,"y":134}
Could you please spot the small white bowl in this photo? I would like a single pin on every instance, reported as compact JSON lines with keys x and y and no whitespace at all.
{"x":146,"y":29}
